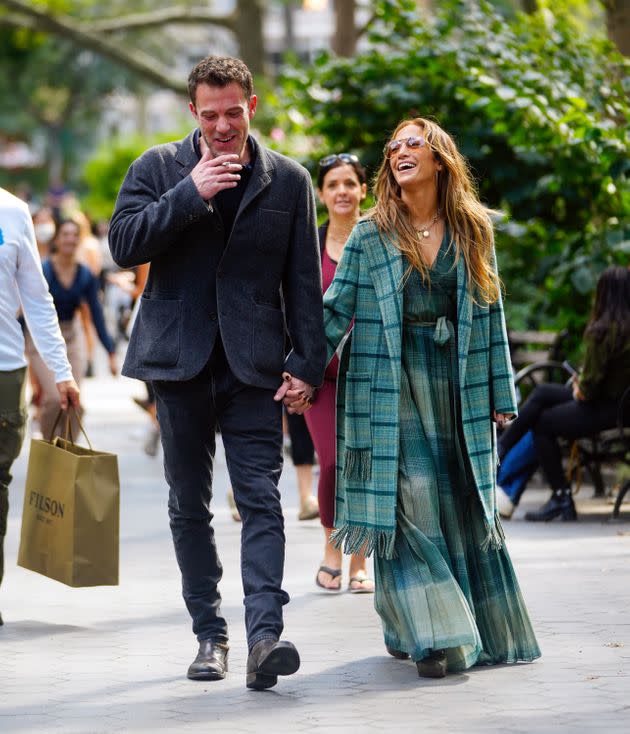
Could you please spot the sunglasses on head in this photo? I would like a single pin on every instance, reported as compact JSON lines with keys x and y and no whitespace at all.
{"x":414,"y":142}
{"x":328,"y":160}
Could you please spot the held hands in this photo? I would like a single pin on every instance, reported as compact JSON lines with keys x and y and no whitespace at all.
{"x":296,"y":394}
{"x":69,"y":394}
{"x":212,"y":175}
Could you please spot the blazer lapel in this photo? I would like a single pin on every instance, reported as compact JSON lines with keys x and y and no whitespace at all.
{"x":187,"y":157}
{"x":261,"y":177}
{"x":386,"y":270}
{"x":464,"y":317}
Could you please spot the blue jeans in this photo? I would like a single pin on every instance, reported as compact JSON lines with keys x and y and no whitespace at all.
{"x":250,"y":422}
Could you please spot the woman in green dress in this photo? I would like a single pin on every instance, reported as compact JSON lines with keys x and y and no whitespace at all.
{"x":424,"y":378}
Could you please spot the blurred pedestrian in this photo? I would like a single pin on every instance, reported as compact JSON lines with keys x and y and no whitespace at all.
{"x":22,"y":285}
{"x":303,"y":458}
{"x":88,"y":254}
{"x":229,"y":229}
{"x":341,"y":187}
{"x":44,"y":227}
{"x":589,"y":405}
{"x":425,"y":374}
{"x":70,"y":284}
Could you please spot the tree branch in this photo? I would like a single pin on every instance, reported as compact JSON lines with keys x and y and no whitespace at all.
{"x":65,"y":27}
{"x":162,"y":16}
{"x":11,"y":20}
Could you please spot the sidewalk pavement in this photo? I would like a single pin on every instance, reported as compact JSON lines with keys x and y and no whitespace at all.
{"x":114,"y":659}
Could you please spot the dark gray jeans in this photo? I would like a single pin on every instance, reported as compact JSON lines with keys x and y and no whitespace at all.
{"x":12,"y":421}
{"x":250,"y":422}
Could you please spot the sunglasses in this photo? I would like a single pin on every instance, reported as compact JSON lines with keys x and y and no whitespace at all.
{"x":328,"y":160}
{"x":412,"y":143}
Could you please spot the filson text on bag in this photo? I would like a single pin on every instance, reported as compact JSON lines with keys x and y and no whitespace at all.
{"x":47,"y":504}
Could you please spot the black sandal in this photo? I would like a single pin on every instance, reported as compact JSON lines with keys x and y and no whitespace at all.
{"x":333,"y":573}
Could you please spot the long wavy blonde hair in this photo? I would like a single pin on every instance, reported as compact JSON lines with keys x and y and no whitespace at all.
{"x":467,"y":218}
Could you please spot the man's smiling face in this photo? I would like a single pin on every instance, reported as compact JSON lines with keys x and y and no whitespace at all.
{"x":223,"y":114}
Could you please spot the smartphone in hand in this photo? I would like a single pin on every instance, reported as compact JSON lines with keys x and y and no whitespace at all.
{"x":570,"y":368}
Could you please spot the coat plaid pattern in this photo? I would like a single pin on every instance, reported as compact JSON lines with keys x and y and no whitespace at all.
{"x":368,"y":287}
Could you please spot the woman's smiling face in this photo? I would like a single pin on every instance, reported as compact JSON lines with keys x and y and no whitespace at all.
{"x":341,"y":191}
{"x":413,"y":165}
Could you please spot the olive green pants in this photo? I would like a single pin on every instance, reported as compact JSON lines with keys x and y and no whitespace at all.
{"x":12,"y":422}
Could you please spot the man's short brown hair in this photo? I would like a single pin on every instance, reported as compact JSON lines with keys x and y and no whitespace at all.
{"x":219,"y":71}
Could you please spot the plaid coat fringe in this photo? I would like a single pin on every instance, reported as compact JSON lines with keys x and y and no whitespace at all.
{"x":368,"y":287}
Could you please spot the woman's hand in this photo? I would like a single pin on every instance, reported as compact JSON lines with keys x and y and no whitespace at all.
{"x":501,"y":418}
{"x":577,"y":392}
{"x":296,"y":394}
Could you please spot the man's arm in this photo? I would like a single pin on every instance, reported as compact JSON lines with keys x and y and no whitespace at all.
{"x":41,"y":315}
{"x":147,"y":221}
{"x":302,"y":291}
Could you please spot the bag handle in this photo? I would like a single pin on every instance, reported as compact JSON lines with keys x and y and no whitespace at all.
{"x":68,"y":431}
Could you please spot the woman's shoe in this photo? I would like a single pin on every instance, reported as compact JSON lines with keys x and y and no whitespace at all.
{"x":333,"y":573}
{"x":361,"y":584}
{"x":398,"y":654}
{"x":309,"y":509}
{"x":433,"y":666}
{"x":560,"y":504}
{"x":505,"y":506}
{"x":236,"y":515}
{"x":152,"y":441}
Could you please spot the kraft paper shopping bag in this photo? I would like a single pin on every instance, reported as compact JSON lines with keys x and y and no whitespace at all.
{"x":70,"y":521}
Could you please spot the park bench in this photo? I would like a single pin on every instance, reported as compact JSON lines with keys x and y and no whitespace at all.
{"x":528,"y":347}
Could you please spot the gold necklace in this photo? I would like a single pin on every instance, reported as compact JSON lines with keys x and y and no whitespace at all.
{"x":425,"y":230}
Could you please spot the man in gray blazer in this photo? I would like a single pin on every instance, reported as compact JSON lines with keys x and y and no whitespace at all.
{"x":231,"y":310}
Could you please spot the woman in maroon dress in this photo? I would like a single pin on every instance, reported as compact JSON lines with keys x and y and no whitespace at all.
{"x":341,"y":186}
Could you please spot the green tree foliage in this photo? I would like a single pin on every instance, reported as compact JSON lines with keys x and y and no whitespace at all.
{"x":106,"y":169}
{"x":541,"y":114}
{"x":52,"y":93}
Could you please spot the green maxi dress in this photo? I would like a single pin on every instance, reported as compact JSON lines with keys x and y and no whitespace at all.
{"x":445,"y":588}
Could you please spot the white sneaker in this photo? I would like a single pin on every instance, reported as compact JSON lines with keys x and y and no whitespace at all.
{"x":505,"y":506}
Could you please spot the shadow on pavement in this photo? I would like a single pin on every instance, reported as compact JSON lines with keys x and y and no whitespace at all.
{"x":30,"y":628}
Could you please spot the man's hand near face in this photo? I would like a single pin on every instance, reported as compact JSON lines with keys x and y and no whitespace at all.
{"x":212,"y":175}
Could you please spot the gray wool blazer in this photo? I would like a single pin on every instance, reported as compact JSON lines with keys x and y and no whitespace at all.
{"x":260,"y":285}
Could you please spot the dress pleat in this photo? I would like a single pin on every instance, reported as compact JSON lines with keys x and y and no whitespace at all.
{"x":445,"y":588}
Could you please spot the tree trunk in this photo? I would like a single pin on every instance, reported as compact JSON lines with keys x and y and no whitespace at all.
{"x":618,"y":24}
{"x":249,"y":34}
{"x":55,"y":156}
{"x":289,"y":26}
{"x":529,"y":6}
{"x":344,"y":40}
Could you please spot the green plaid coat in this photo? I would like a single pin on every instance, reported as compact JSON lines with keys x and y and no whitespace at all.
{"x":368,"y":288}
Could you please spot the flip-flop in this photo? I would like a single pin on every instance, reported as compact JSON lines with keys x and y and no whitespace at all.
{"x":360,"y":580}
{"x":333,"y":573}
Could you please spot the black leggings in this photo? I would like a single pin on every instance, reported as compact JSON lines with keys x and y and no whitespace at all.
{"x":551,"y":412}
{"x":302,"y":450}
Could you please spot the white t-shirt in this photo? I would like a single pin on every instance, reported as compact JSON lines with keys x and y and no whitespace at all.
{"x":22,"y":284}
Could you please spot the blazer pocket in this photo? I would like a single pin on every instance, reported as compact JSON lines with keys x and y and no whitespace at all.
{"x":268,"y":338}
{"x":159,"y":331}
{"x":273,"y":230}
{"x":358,"y":427}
